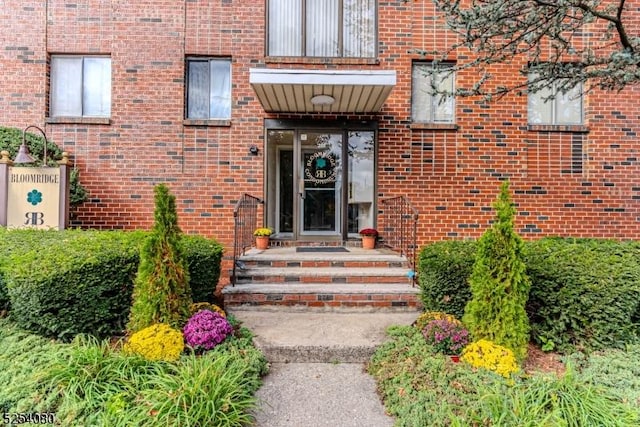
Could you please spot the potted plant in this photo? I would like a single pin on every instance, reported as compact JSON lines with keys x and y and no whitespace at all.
{"x":369,"y":236}
{"x":262,"y":237}
{"x":447,"y":336}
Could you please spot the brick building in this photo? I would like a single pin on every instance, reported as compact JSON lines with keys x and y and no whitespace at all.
{"x":319,"y":108}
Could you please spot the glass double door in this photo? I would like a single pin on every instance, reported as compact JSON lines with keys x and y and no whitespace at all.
{"x":312,"y":192}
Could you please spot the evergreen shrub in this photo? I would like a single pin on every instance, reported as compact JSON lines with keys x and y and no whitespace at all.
{"x":72,"y":282}
{"x":79,"y":281}
{"x":204,"y":258}
{"x":161,"y":291}
{"x":499,"y":283}
{"x":444,"y":268}
{"x":586,"y":293}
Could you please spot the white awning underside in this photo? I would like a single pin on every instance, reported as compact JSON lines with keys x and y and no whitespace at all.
{"x":290,"y":91}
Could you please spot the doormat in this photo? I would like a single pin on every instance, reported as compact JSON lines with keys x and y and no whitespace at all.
{"x":321,"y":249}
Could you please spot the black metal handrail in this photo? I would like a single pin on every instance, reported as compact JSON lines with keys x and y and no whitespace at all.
{"x":400,"y":224}
{"x":245,"y":217}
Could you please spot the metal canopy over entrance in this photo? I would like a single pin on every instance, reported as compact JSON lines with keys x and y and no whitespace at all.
{"x":325,"y":91}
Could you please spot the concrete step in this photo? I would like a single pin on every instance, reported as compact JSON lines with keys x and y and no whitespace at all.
{"x":396,"y":296}
{"x":356,"y":278}
{"x":321,"y":275}
{"x":318,"y":336}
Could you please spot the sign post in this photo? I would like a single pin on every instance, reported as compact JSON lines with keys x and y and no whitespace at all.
{"x":35,"y":197}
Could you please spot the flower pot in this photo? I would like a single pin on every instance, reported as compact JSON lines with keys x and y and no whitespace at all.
{"x":262,"y":242}
{"x":368,"y":242}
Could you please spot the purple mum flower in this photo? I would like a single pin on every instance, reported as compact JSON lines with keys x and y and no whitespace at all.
{"x":206,"y":329}
{"x":445,"y":336}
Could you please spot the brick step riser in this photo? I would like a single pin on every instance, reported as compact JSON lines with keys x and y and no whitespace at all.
{"x":325,"y":300}
{"x":326,"y":264}
{"x":320,"y":279}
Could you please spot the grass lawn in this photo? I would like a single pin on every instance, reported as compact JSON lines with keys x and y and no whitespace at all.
{"x":92,"y":383}
{"x":422,"y":388}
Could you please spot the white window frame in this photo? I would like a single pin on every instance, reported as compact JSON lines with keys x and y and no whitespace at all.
{"x":219,"y":90}
{"x":80,"y":86}
{"x":428,"y":106}
{"x":310,"y":35}
{"x":558,"y":104}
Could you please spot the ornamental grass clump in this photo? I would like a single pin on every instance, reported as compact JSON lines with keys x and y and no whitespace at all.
{"x":493,"y":357}
{"x":156,"y":342}
{"x":206,"y":329}
{"x":445,"y":336}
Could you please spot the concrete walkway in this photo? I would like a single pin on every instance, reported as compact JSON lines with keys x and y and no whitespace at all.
{"x":317,"y":361}
{"x":319,"y":395}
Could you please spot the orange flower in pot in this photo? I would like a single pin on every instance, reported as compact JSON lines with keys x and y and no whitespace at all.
{"x":369,"y":236}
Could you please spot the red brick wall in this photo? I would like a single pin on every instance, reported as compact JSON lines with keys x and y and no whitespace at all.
{"x":451,"y":176}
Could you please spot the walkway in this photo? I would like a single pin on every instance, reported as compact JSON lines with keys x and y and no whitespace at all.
{"x":317,"y":376}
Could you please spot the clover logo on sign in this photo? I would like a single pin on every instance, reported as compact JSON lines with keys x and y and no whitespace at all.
{"x":34,"y":197}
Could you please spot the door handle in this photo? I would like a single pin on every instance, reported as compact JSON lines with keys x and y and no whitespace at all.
{"x":301,"y":190}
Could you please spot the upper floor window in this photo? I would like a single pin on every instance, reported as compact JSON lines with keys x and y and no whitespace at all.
{"x":208,"y":88}
{"x":549,"y":106}
{"x":322,"y":28}
{"x":432,"y":93}
{"x":80,"y":86}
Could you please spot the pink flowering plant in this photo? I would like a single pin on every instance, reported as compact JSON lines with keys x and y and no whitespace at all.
{"x":446,"y":336}
{"x":206,"y":329}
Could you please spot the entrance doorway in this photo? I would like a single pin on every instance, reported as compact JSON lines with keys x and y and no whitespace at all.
{"x":320,"y":182}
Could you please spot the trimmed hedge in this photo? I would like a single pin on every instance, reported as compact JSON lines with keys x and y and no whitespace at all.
{"x":204,"y":258}
{"x":79,"y":283}
{"x":64,"y":283}
{"x":585,"y":293}
{"x":444,"y":268}
{"x":14,"y":244}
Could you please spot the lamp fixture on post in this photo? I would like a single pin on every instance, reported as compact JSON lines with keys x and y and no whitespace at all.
{"x":23,"y":155}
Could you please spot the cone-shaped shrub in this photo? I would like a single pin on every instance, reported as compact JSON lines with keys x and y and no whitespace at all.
{"x":161,"y":291}
{"x":499,"y":284}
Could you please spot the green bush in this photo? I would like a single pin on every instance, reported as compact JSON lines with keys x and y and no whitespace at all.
{"x":15,"y":243}
{"x":161,"y":292}
{"x":204,"y":258}
{"x":499,"y":284}
{"x":84,"y":273}
{"x":444,"y":268}
{"x":80,"y":282}
{"x":586,"y":293}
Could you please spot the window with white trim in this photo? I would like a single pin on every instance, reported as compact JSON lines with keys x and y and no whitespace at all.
{"x":322,"y":28}
{"x":432,"y":98}
{"x":209,"y":88}
{"x":549,"y":106}
{"x":80,"y":86}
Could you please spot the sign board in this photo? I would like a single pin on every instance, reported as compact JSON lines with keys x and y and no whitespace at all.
{"x":33,"y":197}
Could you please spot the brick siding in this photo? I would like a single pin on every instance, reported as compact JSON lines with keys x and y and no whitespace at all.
{"x":584,"y":183}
